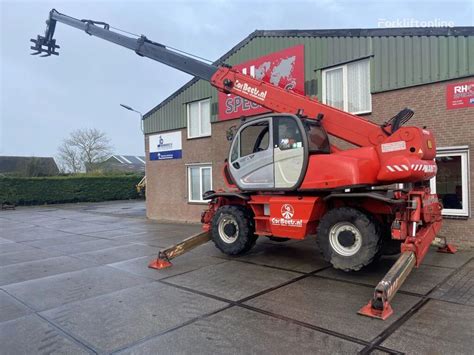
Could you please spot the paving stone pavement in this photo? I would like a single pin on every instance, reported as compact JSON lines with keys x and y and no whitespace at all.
{"x":74,"y":279}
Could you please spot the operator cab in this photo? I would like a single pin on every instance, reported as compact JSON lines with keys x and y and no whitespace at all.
{"x":271,"y":152}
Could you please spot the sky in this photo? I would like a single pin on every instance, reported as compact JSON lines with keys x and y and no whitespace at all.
{"x":43,"y":99}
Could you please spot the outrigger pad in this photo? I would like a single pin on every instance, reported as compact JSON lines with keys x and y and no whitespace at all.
{"x":159,"y":264}
{"x":448,"y":249}
{"x":371,"y":312}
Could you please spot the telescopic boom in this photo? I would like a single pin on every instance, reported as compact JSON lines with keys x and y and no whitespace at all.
{"x":346,"y":126}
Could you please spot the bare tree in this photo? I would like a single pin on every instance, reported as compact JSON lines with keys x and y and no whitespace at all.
{"x":68,"y":158}
{"x":84,"y":148}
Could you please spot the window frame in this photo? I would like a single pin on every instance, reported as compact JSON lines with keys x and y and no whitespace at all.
{"x":345,"y":88}
{"x":463,"y":152}
{"x":188,"y":171}
{"x":201,"y":134}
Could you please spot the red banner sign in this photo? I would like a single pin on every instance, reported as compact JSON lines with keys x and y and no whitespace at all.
{"x":284,"y":68}
{"x":460,"y":95}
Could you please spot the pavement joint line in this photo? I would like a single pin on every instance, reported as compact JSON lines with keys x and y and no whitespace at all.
{"x":74,"y":339}
{"x":408,"y":314}
{"x":446,"y":279}
{"x":305,"y":324}
{"x":166,"y":331}
{"x":387,"y":350}
{"x":394,"y":326}
{"x":269,"y":266}
{"x":240,"y":303}
{"x":408,"y":293}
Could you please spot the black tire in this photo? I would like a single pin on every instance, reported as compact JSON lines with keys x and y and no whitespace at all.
{"x":278,"y":239}
{"x":389,"y":246}
{"x":348,"y":238}
{"x":233,"y":230}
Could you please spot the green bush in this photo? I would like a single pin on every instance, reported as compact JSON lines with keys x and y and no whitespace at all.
{"x":63,"y":189}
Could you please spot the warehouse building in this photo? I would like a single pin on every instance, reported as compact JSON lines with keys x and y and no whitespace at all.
{"x":373,"y":73}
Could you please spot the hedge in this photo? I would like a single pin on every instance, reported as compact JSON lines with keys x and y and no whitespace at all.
{"x":63,"y":189}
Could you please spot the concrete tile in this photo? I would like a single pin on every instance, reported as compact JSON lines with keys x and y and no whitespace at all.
{"x":10,"y":308}
{"x":447,"y":260}
{"x":115,"y":320}
{"x":437,"y":328}
{"x":112,"y":234}
{"x":32,"y":335}
{"x":160,"y":239}
{"x":420,"y":281}
{"x":83,"y":228}
{"x":34,"y":233}
{"x":83,"y":247}
{"x":53,"y":242}
{"x":41,"y":268}
{"x":459,"y":288}
{"x":241,"y":331}
{"x":292,"y":257}
{"x":55,"y":291}
{"x":116,"y":254}
{"x":233,"y":280}
{"x":184,"y":263}
{"x":8,"y":226}
{"x":26,"y":256}
{"x":12,"y":247}
{"x":331,"y":305}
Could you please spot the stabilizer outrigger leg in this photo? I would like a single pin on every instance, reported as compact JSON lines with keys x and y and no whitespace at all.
{"x":165,"y":255}
{"x":379,"y":306}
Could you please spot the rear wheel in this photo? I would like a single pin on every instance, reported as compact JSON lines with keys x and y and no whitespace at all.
{"x":348,"y":238}
{"x":233,"y":230}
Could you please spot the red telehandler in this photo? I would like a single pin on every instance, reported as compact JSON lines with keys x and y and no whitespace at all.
{"x":286,"y":180}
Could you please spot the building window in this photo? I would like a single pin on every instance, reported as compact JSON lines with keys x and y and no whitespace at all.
{"x":452,"y":180}
{"x":347,"y":87}
{"x":199,"y":119}
{"x":199,"y":181}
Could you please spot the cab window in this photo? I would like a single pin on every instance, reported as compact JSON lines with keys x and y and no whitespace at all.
{"x":254,"y":138}
{"x":288,"y":135}
{"x":318,"y":141}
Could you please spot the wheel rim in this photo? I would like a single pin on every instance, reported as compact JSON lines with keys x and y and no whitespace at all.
{"x":228,"y":229}
{"x":345,"y":238}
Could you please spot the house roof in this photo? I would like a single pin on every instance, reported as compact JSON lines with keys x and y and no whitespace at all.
{"x":19,"y":164}
{"x":351,"y":32}
{"x":128,"y":159}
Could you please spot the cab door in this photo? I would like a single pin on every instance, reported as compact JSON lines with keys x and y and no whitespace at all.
{"x":251,"y":156}
{"x":289,"y":152}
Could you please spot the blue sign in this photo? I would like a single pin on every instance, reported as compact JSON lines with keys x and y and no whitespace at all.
{"x":165,"y":146}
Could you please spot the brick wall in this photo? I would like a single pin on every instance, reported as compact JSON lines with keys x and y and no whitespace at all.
{"x":167,"y":181}
{"x":451,"y":128}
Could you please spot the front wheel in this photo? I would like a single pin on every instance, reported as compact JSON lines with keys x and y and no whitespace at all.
{"x":348,"y":238}
{"x":233,"y":230}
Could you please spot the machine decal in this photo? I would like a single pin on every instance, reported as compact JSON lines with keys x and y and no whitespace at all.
{"x":394,"y":146}
{"x":287,"y":212}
